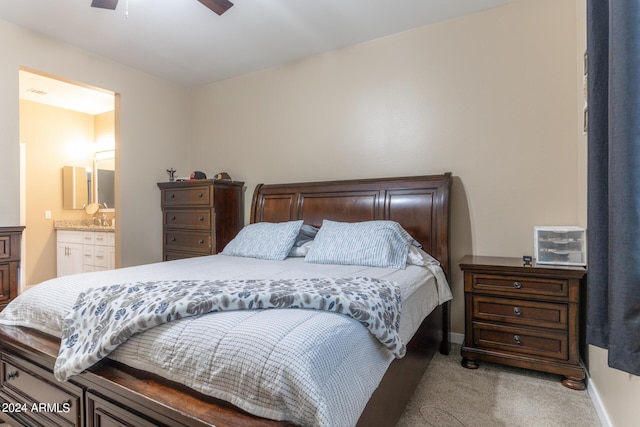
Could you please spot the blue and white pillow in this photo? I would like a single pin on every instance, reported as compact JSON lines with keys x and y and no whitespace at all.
{"x":369,"y":243}
{"x":264,"y":240}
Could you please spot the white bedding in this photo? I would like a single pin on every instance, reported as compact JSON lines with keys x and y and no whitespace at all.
{"x":270,"y":362}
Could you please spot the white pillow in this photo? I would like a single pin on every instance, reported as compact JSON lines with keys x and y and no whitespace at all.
{"x":370,"y":243}
{"x":417,"y":256}
{"x":302,"y":250}
{"x":264,"y":240}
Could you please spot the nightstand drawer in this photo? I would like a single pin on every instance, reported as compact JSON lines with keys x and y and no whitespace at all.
{"x":186,"y":241}
{"x":195,"y":219}
{"x":519,"y":285}
{"x":529,"y":342}
{"x":190,"y":196}
{"x":520,"y":312}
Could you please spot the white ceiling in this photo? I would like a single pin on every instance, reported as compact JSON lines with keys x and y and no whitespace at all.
{"x":183,"y":41}
{"x":38,"y":88}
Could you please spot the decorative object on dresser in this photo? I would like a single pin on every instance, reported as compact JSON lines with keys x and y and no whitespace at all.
{"x":200,"y":216}
{"x":10,"y":239}
{"x":560,"y":245}
{"x":524,"y":316}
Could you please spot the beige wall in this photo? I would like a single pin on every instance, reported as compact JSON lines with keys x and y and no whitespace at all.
{"x":105,"y":124}
{"x":490,"y":97}
{"x":152,"y":131}
{"x":54,"y":137}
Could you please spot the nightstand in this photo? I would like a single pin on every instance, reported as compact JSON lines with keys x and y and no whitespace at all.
{"x":524,"y":316}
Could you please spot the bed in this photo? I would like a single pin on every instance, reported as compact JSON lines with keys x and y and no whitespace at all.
{"x":127,"y":388}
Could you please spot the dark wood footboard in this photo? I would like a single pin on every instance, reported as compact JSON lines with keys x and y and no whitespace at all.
{"x":113,"y":394}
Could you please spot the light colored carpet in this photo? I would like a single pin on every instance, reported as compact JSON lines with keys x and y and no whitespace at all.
{"x":494,"y":395}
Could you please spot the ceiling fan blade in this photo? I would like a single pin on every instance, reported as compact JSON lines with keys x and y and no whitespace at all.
{"x":218,"y":6}
{"x":105,"y":4}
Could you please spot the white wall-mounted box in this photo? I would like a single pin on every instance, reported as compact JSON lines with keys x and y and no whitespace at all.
{"x":561,"y":245}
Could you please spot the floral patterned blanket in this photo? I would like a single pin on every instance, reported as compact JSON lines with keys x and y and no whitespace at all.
{"x":105,"y":317}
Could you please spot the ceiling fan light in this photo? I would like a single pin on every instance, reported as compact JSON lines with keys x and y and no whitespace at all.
{"x":218,"y":6}
{"x":105,"y":4}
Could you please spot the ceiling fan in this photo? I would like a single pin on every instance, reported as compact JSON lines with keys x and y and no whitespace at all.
{"x":218,"y":6}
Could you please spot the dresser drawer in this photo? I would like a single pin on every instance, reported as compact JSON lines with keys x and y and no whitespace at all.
{"x":520,"y":312}
{"x":88,"y":253}
{"x":529,"y":342}
{"x":101,"y":238}
{"x":5,"y":247}
{"x":170,"y":255}
{"x":188,"y":241}
{"x":192,"y":196}
{"x":100,"y":257}
{"x":102,"y":413}
{"x":193,"y":219}
{"x":88,"y":237}
{"x":519,"y":285}
{"x":39,"y":393}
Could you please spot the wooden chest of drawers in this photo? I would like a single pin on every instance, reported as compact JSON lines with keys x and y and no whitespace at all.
{"x":10,"y":239}
{"x":524,"y":316}
{"x":200,"y":216}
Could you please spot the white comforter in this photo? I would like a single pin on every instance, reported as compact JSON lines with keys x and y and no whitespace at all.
{"x":304,"y":366}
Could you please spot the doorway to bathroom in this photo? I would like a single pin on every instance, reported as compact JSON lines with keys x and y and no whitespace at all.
{"x":64,"y":126}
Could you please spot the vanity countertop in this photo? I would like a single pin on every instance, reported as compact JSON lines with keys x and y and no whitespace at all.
{"x":81,"y":225}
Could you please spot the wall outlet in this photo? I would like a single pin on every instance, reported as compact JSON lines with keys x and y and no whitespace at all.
{"x":47,"y":214}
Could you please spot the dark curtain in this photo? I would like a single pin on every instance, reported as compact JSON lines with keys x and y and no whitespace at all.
{"x":613,"y":294}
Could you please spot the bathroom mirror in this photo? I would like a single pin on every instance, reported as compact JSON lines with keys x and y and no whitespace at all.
{"x":75,"y":187}
{"x":104,"y":180}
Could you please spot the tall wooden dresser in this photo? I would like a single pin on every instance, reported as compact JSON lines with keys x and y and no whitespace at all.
{"x":200,"y":216}
{"x":10,"y":239}
{"x":524,"y":316}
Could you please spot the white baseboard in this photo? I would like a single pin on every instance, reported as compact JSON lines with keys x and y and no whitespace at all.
{"x":597,"y":404}
{"x":456,"y":338}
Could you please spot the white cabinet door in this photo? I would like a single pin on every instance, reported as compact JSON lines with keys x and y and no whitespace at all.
{"x":111,"y":258}
{"x":69,"y":258}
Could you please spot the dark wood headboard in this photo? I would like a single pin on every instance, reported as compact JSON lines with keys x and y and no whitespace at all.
{"x":420,"y":204}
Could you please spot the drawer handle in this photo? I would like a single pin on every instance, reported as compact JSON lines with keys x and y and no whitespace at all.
{"x":173,"y":239}
{"x":67,"y":403}
{"x":517,"y":285}
{"x":200,"y":195}
{"x":516,"y":338}
{"x":201,"y":218}
{"x":173,"y":218}
{"x":12,"y":375}
{"x":173,"y":196}
{"x":201,"y":241}
{"x":517,"y":311}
